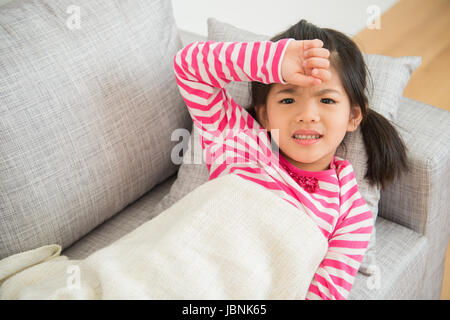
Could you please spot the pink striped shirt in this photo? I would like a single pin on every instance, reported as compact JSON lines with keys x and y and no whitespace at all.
{"x":235,"y":143}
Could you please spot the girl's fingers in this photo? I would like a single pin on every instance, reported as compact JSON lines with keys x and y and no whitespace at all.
{"x":317,"y":52}
{"x":304,"y":81}
{"x":322,"y":74}
{"x":315,"y":43}
{"x":316,"y":63}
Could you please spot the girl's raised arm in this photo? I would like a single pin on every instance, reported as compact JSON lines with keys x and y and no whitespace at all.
{"x":202,"y":70}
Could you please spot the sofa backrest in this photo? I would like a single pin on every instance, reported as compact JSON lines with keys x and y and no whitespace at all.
{"x":88,"y":102}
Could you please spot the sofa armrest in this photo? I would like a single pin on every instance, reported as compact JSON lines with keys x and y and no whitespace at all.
{"x":419,"y":200}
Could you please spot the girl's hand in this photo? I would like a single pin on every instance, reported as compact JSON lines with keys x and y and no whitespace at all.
{"x":306,"y":63}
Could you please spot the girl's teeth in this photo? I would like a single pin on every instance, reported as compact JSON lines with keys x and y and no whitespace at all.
{"x":306,"y":137}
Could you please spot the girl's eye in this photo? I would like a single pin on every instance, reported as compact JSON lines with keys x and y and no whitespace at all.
{"x":327,"y":101}
{"x":287,"y":101}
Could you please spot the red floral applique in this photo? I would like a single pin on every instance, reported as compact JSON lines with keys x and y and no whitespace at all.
{"x":310,"y":184}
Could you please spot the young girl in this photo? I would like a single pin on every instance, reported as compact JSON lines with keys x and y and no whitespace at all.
{"x":308,"y":87}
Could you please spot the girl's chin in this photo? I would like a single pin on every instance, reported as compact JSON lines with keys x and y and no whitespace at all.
{"x":301,"y":159}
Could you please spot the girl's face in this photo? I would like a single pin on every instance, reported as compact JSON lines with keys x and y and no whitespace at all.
{"x":324,"y":108}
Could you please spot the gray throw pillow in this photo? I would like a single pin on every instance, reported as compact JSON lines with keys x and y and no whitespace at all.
{"x":390,"y":77}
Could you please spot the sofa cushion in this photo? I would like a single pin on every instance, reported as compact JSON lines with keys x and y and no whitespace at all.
{"x":384,"y":70}
{"x":400,"y":269}
{"x":132,"y":216}
{"x":88,"y":103}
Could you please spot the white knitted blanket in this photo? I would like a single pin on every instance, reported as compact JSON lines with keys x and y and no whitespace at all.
{"x":228,"y":239}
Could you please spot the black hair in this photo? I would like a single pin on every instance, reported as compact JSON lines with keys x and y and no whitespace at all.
{"x":385,"y":149}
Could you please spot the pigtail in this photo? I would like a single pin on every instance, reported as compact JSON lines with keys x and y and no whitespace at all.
{"x":386,"y":151}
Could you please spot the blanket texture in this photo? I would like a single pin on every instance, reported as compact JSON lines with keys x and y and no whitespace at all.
{"x":227,"y":239}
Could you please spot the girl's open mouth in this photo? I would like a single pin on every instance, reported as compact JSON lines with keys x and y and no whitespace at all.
{"x":307,"y":139}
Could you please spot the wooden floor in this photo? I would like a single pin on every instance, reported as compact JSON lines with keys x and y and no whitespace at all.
{"x":445,"y":294}
{"x":418,"y":28}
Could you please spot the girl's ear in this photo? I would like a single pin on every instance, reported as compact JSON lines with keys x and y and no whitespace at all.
{"x":262,"y":115}
{"x":355,"y":119}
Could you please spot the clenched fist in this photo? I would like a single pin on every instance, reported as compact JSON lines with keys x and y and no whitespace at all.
{"x":305,"y":63}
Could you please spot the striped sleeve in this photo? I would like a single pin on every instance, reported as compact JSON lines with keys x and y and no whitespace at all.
{"x":347,"y":244}
{"x":202,"y":69}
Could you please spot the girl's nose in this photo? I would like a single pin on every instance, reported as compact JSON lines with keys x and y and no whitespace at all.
{"x":308,"y":113}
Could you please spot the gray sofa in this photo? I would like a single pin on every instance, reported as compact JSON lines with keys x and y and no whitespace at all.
{"x":87,"y":112}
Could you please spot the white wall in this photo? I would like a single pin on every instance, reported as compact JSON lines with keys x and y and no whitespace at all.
{"x":272,"y":16}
